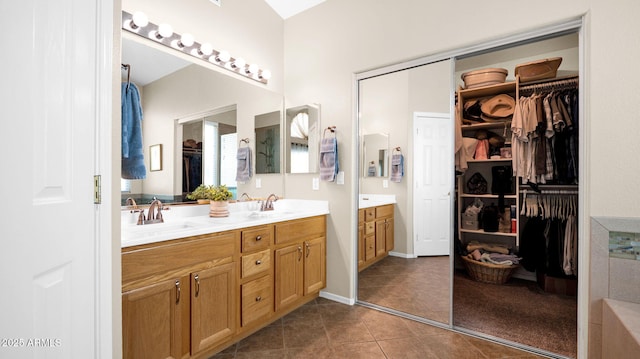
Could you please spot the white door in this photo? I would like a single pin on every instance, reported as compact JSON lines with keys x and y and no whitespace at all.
{"x":433,"y":173}
{"x":51,"y":99}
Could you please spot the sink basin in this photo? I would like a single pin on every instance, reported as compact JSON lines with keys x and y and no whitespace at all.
{"x":157,"y":229}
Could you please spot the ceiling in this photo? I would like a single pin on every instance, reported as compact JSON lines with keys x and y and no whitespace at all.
{"x":288,"y":8}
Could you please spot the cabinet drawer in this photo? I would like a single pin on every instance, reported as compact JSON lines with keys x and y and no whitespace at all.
{"x":384,"y":211}
{"x":369,"y":228}
{"x":369,"y":247}
{"x":300,"y":229}
{"x":256,"y":238}
{"x":369,"y":214}
{"x":257,"y":299}
{"x":256,"y":263}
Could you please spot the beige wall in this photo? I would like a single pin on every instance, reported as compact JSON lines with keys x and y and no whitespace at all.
{"x":327,"y":44}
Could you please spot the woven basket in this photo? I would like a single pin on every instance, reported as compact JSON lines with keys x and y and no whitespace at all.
{"x":487,"y":272}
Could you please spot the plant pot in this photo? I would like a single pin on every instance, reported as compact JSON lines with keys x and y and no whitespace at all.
{"x":219,"y":209}
{"x":203,"y":201}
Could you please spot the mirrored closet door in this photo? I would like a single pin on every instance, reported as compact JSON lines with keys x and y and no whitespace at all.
{"x":392,"y":273}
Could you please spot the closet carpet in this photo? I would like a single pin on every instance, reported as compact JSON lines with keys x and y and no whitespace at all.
{"x":518,"y":311}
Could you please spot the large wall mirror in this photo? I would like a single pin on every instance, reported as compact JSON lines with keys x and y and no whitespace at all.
{"x":181,"y":98}
{"x":302,"y":129}
{"x":408,"y":280}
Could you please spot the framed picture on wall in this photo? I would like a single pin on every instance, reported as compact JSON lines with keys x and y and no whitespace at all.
{"x":155,"y":157}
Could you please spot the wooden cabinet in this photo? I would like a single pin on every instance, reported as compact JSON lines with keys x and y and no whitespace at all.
{"x":179,"y":297}
{"x":256,"y":288}
{"x":213,"y":303}
{"x":191,"y":297}
{"x":152,"y":322}
{"x":375,"y":239}
{"x":300,"y":267}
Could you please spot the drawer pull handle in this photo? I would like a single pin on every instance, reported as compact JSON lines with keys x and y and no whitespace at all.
{"x":258,"y":238}
{"x":258,"y":262}
{"x":258,"y":298}
{"x":197,"y":279}
{"x":299,"y":253}
{"x":177,"y":291}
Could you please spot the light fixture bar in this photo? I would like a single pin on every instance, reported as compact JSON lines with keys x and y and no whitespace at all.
{"x":138,"y":24}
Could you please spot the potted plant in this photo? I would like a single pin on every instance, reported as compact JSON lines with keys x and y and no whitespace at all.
{"x":202,"y":194}
{"x":219,"y":205}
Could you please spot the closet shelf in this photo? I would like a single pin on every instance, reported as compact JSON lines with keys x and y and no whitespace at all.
{"x":491,"y":160}
{"x":486,"y":125}
{"x":480,"y":231}
{"x":506,"y":196}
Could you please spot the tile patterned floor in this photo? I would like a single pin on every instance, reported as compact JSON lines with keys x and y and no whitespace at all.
{"x":418,"y":286}
{"x":326,"y":329}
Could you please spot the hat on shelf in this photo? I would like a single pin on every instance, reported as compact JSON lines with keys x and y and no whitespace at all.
{"x":498,"y":108}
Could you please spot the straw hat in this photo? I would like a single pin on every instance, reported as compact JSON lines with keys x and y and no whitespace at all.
{"x":498,"y":108}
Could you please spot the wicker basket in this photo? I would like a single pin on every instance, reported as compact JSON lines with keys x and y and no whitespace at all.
{"x":487,"y":272}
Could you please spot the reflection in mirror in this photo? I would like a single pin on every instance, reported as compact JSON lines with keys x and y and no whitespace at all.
{"x":267,"y":127}
{"x":209,"y":151}
{"x":174,"y":91}
{"x":302,"y":138}
{"x":393,"y":272}
{"x":375,"y":150}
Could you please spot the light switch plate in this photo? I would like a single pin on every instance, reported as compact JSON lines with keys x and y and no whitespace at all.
{"x":385,"y":183}
{"x":258,"y":183}
{"x":316,"y":184}
{"x":340,"y":177}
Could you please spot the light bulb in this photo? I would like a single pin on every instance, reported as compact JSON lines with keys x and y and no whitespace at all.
{"x":252,"y":69}
{"x":139,"y":19}
{"x":164,"y":31}
{"x":223,"y":56}
{"x":206,"y":49}
{"x":238,"y":63}
{"x":265,"y":74}
{"x":186,"y":40}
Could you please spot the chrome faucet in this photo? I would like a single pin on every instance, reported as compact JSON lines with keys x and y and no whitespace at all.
{"x":267,"y":205}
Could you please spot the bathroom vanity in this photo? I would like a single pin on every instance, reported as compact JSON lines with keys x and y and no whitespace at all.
{"x":375,"y":228}
{"x":194,"y":285}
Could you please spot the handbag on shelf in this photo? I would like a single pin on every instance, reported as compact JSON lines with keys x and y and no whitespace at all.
{"x":476,"y":184}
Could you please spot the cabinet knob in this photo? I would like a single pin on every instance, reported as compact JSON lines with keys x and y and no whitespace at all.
{"x":258,"y":238}
{"x":258,"y":298}
{"x":258,"y":262}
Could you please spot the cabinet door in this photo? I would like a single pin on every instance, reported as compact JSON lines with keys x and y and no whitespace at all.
{"x":314,"y":265}
{"x":381,"y":242}
{"x":213,"y":306}
{"x":388,"y":234}
{"x":151,"y":320}
{"x":288,"y":269}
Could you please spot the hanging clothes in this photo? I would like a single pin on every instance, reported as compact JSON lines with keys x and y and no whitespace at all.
{"x":132,"y":151}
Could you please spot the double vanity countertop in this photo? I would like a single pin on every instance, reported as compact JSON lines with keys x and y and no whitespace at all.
{"x":191,"y":220}
{"x":374,"y":200}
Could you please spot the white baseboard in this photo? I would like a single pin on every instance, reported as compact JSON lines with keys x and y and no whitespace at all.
{"x":401,"y":255}
{"x":337,"y":298}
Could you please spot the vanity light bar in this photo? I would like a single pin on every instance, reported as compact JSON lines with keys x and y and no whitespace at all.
{"x":139,"y":24}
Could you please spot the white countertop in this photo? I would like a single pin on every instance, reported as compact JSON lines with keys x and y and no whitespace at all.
{"x":373,"y":200}
{"x":192,"y":220}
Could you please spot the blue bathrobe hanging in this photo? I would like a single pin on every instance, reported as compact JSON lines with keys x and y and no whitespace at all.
{"x":132,"y":150}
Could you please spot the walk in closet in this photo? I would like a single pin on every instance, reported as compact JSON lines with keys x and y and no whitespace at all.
{"x":517,"y":199}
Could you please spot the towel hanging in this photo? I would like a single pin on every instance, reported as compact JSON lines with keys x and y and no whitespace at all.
{"x":329,"y":155}
{"x":397,"y":165}
{"x":244,"y":166}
